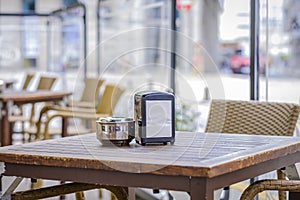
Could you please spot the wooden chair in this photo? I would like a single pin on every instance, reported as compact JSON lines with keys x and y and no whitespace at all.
{"x":108,"y":101}
{"x":44,"y":83}
{"x":252,"y":117}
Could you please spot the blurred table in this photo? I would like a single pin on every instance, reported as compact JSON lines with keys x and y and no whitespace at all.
{"x":11,"y":97}
{"x":197,"y":163}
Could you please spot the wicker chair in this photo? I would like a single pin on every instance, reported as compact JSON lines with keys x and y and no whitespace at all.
{"x":27,"y":81}
{"x":18,"y":110}
{"x":108,"y":101}
{"x":252,"y":117}
{"x":270,"y":184}
{"x":44,"y":83}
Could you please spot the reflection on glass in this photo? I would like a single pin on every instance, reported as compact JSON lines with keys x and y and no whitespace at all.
{"x":280,"y":34}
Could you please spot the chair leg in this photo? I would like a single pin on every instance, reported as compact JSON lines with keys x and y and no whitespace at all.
{"x":36,"y":183}
{"x":252,"y":180}
{"x":11,"y":127}
{"x":281,"y":176}
{"x":79,"y":196}
{"x":112,"y":196}
{"x":226,"y":193}
{"x":29,"y":137}
{"x":23,"y":132}
{"x":100,"y":194}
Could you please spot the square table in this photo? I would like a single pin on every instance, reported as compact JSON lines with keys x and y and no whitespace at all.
{"x":197,"y":163}
{"x":12,"y":97}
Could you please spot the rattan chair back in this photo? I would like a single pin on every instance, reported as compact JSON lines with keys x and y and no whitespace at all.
{"x":109,"y":99}
{"x":252,"y":117}
{"x":91,"y":88}
{"x":46,"y":83}
{"x":27,"y":81}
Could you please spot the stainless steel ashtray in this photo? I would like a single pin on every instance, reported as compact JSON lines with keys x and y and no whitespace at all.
{"x":115,"y":130}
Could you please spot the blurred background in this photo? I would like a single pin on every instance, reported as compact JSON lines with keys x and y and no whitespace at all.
{"x":139,"y":44}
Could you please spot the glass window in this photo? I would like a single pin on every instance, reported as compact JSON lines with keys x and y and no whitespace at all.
{"x":10,"y":43}
{"x":67,"y":39}
{"x":69,"y":2}
{"x":280,"y":39}
{"x":28,"y":6}
{"x":135,"y":42}
{"x":215,"y":39}
{"x":30,"y":36}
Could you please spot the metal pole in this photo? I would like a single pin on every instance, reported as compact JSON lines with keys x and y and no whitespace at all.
{"x":98,"y":37}
{"x":1,"y":186}
{"x":48,"y":45}
{"x":173,"y":46}
{"x":267,"y":50}
{"x":254,"y":50}
{"x":23,"y":14}
{"x":85,"y":41}
{"x":254,"y":56}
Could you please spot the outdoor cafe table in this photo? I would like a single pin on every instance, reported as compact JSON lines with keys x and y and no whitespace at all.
{"x":13,"y":97}
{"x":197,"y":163}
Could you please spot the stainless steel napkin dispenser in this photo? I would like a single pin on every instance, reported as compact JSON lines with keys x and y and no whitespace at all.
{"x":154,"y":115}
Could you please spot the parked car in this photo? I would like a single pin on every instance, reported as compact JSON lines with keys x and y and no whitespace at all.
{"x":239,"y":62}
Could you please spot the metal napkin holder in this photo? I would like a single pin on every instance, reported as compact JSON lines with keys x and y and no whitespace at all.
{"x":154,"y":116}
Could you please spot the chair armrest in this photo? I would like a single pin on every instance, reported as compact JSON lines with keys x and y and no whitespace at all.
{"x":82,"y":104}
{"x":70,"y":109}
{"x":75,"y":114}
{"x":65,"y":114}
{"x":270,"y":184}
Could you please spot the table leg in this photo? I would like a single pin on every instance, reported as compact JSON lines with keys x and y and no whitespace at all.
{"x":5,"y":127}
{"x":64,"y":127}
{"x":1,"y":106}
{"x":294,"y":196}
{"x":200,"y":190}
{"x":131,"y":193}
{"x":1,"y":185}
{"x":292,"y":173}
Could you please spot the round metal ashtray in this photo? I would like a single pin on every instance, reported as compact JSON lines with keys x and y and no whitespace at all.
{"x":115,"y":130}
